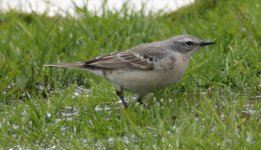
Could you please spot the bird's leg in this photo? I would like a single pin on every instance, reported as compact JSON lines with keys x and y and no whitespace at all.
{"x":120,"y":95}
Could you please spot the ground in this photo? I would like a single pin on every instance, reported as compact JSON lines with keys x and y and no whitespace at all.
{"x":216,"y":104}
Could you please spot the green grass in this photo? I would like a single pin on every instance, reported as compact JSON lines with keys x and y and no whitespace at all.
{"x":214,"y":106}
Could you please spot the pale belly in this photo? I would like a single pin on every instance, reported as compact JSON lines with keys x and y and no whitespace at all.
{"x":141,"y":82}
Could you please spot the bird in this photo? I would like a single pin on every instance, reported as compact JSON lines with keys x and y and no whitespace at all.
{"x":145,"y":68}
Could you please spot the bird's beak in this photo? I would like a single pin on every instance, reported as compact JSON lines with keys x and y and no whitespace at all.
{"x":204,"y":43}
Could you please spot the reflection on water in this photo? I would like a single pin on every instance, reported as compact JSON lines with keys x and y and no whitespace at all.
{"x":81,"y":91}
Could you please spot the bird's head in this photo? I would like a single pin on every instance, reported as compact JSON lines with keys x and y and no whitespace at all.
{"x":186,"y":44}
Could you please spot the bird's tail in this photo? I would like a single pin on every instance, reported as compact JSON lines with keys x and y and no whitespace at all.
{"x":82,"y":66}
{"x":67,"y":65}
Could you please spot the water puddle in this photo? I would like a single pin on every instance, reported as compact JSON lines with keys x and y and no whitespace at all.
{"x":68,"y":113}
{"x":81,"y":91}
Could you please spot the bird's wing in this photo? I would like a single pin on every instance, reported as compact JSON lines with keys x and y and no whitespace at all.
{"x":141,"y":57}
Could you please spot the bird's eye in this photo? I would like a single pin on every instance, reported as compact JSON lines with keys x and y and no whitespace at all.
{"x":189,"y":43}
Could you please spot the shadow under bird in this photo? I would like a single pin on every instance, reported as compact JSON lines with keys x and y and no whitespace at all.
{"x":145,"y":68}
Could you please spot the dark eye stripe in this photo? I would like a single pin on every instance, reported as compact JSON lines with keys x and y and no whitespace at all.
{"x":189,"y":43}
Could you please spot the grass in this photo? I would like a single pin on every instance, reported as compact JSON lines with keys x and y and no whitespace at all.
{"x":214,"y":106}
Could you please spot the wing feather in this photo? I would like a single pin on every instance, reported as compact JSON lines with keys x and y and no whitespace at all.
{"x":141,"y":57}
